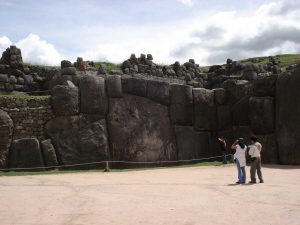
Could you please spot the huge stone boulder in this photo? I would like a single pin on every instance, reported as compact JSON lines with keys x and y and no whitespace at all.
{"x":205,"y":109}
{"x":262,"y":114}
{"x":224,"y":117}
{"x":269,"y":153}
{"x":93,"y":99}
{"x":241,"y":112}
{"x":287,"y":117}
{"x":114,"y":86}
{"x":190,"y":143}
{"x":65,"y":99}
{"x":135,"y":86}
{"x":25,"y":153}
{"x":265,"y":86}
{"x":181,"y":104}
{"x":79,"y":139}
{"x":140,"y":130}
{"x":158,"y":91}
{"x":49,"y":153}
{"x":237,"y":89}
{"x":6,"y":131}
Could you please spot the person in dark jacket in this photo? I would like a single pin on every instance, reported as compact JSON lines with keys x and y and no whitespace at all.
{"x":223,"y":148}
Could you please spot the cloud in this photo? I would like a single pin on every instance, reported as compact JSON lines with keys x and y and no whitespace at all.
{"x":272,"y":29}
{"x":186,"y":2}
{"x":4,"y":43}
{"x":37,"y":51}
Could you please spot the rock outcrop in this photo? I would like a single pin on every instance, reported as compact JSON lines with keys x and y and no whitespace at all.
{"x":6,"y":132}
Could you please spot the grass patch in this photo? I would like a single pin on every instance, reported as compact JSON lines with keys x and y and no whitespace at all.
{"x":50,"y":172}
{"x":109,"y":66}
{"x":24,"y":97}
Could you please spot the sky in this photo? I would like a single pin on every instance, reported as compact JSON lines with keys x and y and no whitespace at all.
{"x":48,"y":31}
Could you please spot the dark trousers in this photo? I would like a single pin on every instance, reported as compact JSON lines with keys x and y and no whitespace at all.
{"x":224,"y":155}
{"x":256,"y":166}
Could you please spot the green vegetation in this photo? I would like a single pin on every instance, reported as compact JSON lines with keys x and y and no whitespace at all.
{"x":285,"y":60}
{"x":49,"y":172}
{"x":23,"y":97}
{"x":109,"y":66}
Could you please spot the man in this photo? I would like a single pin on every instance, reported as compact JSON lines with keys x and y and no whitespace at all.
{"x":255,"y":153}
{"x":223,"y":147}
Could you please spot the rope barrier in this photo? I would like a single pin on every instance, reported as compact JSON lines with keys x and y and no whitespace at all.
{"x":107,"y":163}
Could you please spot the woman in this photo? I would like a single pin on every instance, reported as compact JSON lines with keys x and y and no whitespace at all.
{"x":240,"y":159}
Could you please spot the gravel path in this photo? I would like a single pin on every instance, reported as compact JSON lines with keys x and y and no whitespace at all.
{"x":175,"y":196}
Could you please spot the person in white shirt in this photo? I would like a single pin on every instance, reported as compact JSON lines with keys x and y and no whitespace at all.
{"x":240,"y":159}
{"x":255,"y":153}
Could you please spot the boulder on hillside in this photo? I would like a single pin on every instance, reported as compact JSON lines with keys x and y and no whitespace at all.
{"x":6,"y":132}
{"x":68,"y":71}
{"x":65,"y":99}
{"x":65,"y":64}
{"x":114,"y":86}
{"x":158,"y":91}
{"x":93,"y":99}
{"x":205,"y":109}
{"x":287,"y":117}
{"x":25,"y":153}
{"x":190,"y":143}
{"x":49,"y":153}
{"x":140,"y":130}
{"x":262,"y":114}
{"x":181,"y":104}
{"x":79,"y":139}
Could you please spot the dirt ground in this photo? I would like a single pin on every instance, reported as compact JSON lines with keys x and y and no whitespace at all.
{"x":185,"y":196}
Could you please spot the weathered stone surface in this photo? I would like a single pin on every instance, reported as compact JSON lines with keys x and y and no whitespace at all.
{"x":262,"y":114}
{"x":65,"y":64}
{"x":25,"y":153}
{"x":140,"y":130}
{"x":65,"y":99}
{"x":181,"y":104}
{"x":158,"y":91}
{"x":241,"y":112}
{"x":190,"y":143}
{"x":114,"y":86}
{"x":287,"y":117}
{"x":269,"y":153}
{"x":49,"y":153}
{"x":78,"y":139}
{"x":205,"y":109}
{"x":220,"y":96}
{"x":93,"y":99}
{"x":242,"y":132}
{"x":68,"y":71}
{"x":265,"y":86}
{"x":6,"y":131}
{"x":237,"y":89}
{"x":135,"y":86}
{"x":224,"y":116}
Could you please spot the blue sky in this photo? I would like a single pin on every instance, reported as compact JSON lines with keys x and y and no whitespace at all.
{"x":209,"y":31}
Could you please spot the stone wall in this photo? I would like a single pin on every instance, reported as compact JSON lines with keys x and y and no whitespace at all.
{"x":135,"y":119}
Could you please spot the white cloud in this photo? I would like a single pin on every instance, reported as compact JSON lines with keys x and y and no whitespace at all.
{"x":187,"y":2}
{"x":37,"y":51}
{"x":4,"y":43}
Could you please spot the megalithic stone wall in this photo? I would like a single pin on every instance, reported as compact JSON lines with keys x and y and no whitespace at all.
{"x":138,"y":119}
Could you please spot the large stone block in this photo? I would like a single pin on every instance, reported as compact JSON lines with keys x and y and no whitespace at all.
{"x":220,"y":96}
{"x":265,"y":86}
{"x":135,"y":86}
{"x":237,"y":89}
{"x":114,"y":86}
{"x":241,"y":112}
{"x":49,"y":153}
{"x":191,"y":144}
{"x":269,"y":153}
{"x":181,"y":104}
{"x":242,"y":132}
{"x":140,"y":130}
{"x":205,"y":111}
{"x":68,"y":71}
{"x":224,"y":116}
{"x":79,"y":139}
{"x":6,"y":131}
{"x":93,"y":99}
{"x":287,"y":117}
{"x":65,"y":99}
{"x":25,"y":153}
{"x":262,"y":114}
{"x":158,"y":91}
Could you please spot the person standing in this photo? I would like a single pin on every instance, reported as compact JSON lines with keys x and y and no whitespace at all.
{"x":240,"y":159}
{"x":255,"y":153}
{"x":223,"y":148}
